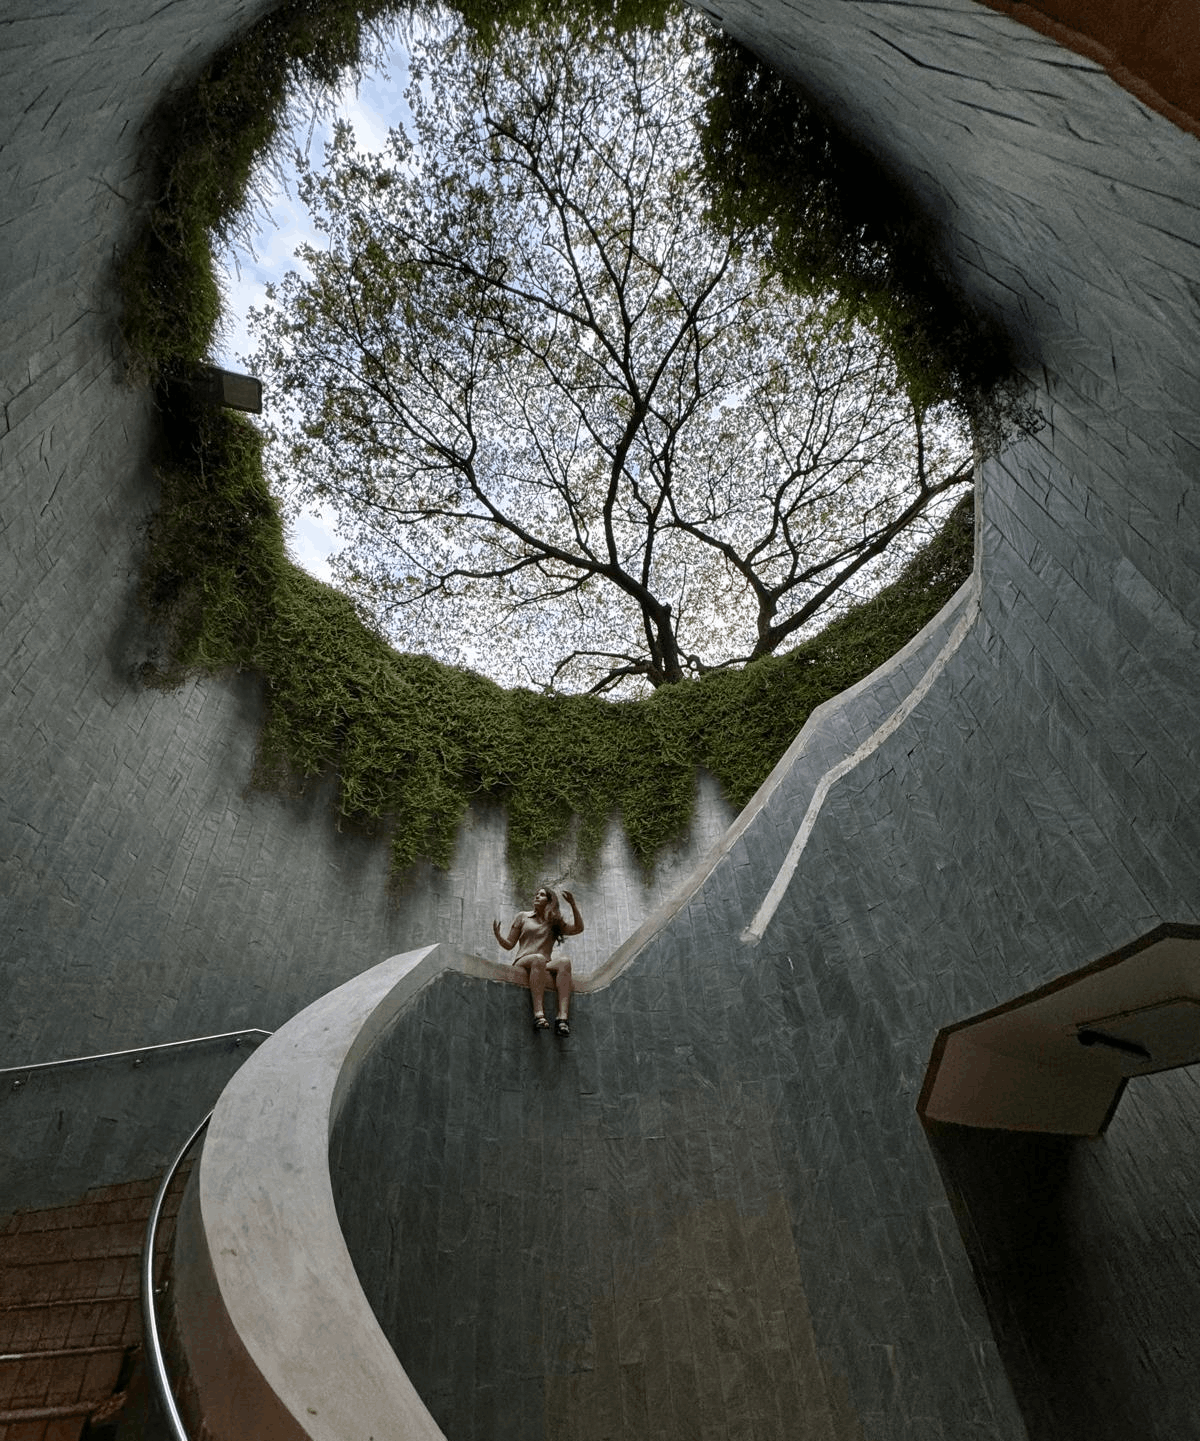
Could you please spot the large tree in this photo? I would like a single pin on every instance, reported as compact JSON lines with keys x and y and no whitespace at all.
{"x":572,"y":433}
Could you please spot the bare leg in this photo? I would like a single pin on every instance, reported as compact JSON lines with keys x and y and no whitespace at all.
{"x":537,"y":984}
{"x":535,"y":969}
{"x":561,"y":971}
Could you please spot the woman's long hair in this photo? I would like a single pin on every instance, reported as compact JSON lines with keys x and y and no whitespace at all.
{"x":554,"y":915}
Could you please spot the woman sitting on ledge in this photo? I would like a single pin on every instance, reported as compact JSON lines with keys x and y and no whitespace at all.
{"x":537,"y":932}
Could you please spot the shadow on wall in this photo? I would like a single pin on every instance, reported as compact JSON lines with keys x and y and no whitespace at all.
{"x":1079,"y":1246}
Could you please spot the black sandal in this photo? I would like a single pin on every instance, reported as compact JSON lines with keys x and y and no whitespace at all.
{"x":561,"y":1027}
{"x":540,"y":1023}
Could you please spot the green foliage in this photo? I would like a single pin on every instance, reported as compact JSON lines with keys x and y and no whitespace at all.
{"x":206,"y":139}
{"x":216,"y":554}
{"x":831,"y":218}
{"x":413,"y":741}
{"x":489,"y":17}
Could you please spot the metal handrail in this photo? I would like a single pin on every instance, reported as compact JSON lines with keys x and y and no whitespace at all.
{"x":133,"y":1051}
{"x":154,"y":1350}
{"x":153,"y":1341}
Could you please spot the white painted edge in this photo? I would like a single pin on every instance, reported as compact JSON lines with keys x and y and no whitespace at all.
{"x":783,"y":878}
{"x":287,"y":1298}
{"x":965,"y":598}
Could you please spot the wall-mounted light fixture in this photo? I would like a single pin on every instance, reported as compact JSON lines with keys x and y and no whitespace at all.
{"x":1087,"y":1036}
{"x":227,"y":387}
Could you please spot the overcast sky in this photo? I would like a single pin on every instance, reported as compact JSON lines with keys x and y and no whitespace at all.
{"x":377,"y":104}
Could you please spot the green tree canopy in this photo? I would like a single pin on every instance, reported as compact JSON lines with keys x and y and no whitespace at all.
{"x":574,"y":434}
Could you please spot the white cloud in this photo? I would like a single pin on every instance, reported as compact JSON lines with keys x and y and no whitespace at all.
{"x":246,"y":272}
{"x":312,"y":539}
{"x":281,"y":227}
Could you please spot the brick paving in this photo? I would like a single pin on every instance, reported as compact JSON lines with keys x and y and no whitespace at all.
{"x":70,"y":1315}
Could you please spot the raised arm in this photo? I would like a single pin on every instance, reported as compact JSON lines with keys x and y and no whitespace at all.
{"x":575,"y":926}
{"x":514,"y":932}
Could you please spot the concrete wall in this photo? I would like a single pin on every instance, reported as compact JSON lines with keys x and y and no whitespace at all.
{"x":734,"y":1224}
{"x":727,"y":1149}
{"x":145,"y":893}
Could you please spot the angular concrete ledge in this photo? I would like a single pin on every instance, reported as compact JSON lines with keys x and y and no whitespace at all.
{"x":1057,"y":1059}
{"x":276,"y":1335}
{"x":838,"y":736}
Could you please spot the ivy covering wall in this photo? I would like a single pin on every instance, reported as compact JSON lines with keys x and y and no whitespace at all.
{"x":411,"y":740}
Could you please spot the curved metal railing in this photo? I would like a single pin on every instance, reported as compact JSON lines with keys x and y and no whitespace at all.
{"x":154,"y":1350}
{"x":136,"y":1051}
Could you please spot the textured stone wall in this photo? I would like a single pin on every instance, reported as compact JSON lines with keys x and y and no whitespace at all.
{"x":145,"y":894}
{"x":99,"y":1123}
{"x":713,"y":1211}
{"x":734,"y":1224}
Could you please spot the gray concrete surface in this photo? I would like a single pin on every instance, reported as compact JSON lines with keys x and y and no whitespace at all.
{"x":142,"y":884}
{"x":113,"y":1118}
{"x":734,"y":1123}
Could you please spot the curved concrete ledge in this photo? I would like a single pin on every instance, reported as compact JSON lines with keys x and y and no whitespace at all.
{"x":276,"y":1334}
{"x":837,"y":737}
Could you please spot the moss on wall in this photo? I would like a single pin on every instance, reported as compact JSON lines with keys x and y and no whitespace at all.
{"x":828,"y":217}
{"x":413,"y":741}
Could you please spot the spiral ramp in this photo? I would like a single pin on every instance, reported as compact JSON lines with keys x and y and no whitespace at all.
{"x":714,"y":1211}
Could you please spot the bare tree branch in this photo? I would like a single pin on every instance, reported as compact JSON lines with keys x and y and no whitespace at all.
{"x":562,"y":422}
